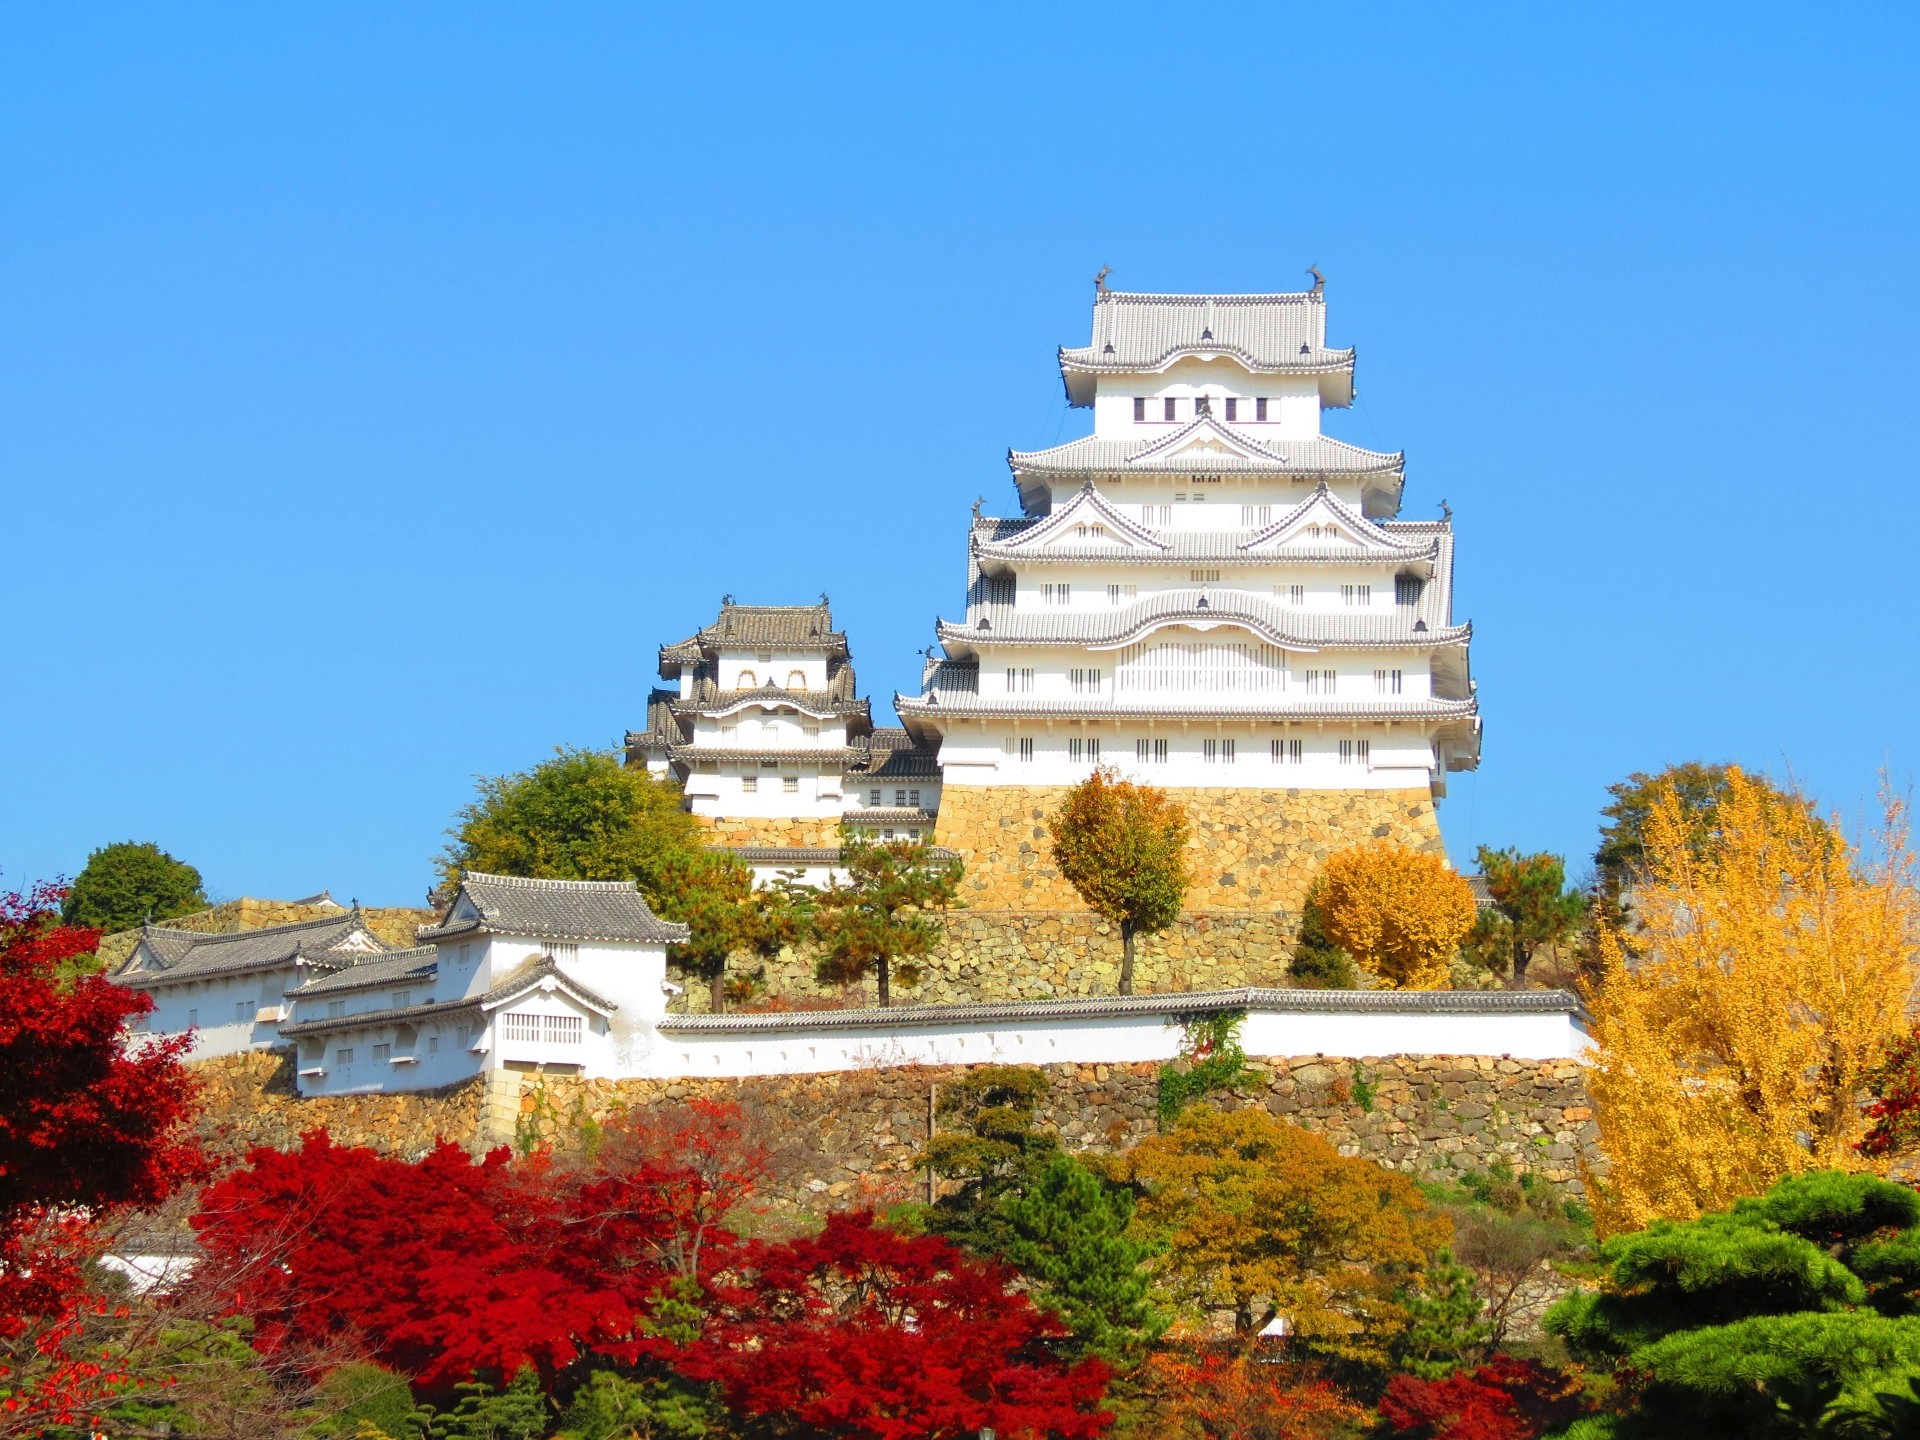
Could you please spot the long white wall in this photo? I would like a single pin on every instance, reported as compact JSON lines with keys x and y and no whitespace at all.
{"x":1045,"y":1035}
{"x":223,"y":1011}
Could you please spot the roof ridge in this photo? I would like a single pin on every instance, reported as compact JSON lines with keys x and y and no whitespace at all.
{"x":540,"y":882}
{"x":343,"y":917}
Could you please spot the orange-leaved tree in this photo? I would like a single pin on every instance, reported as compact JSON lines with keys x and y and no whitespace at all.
{"x":1400,"y":913}
{"x":1121,"y":844}
{"x":1767,"y":976}
{"x":1259,"y":1217}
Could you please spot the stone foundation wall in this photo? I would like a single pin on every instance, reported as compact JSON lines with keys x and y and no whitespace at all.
{"x":394,"y":924}
{"x":816,"y":833}
{"x":852,"y":1138}
{"x":1251,"y":849}
{"x":996,"y":955}
{"x":248,"y":1100}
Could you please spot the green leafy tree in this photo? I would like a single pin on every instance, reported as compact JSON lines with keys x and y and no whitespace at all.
{"x":1068,"y":1233}
{"x":580,"y":816}
{"x":1789,"y":1313}
{"x":883,"y":915}
{"x":1317,"y":963}
{"x":990,"y":1141}
{"x":713,"y":892}
{"x":1530,"y":893}
{"x":1122,"y":846}
{"x":612,"y":1407}
{"x":519,"y":1412}
{"x":130,"y":882}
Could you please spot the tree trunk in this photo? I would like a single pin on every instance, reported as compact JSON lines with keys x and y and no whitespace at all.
{"x":1522,"y":957}
{"x":1126,"y":959}
{"x":886,"y":991}
{"x":717,"y":990}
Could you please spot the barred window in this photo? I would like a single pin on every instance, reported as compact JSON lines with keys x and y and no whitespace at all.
{"x":1406,"y":589}
{"x":1233,"y":408}
{"x":1084,"y":751}
{"x":1204,"y":577}
{"x":1026,"y":750}
{"x":343,"y":1056}
{"x":1118,"y":593}
{"x":1386,"y":682}
{"x":1356,"y":594}
{"x":1284,"y":752}
{"x":1150,"y":752}
{"x":382,"y":1054}
{"x":1019,"y":680}
{"x":1292,"y":594}
{"x":1217,"y":752}
{"x":1355,"y":752}
{"x":1322,"y":682}
{"x":1260,"y":408}
{"x":1084,"y":681}
{"x":1235,"y":667}
{"x":1167,"y":412}
{"x":1202,"y":405}
{"x":243,"y":1010}
{"x":1139,"y":409}
{"x":790,"y":784}
{"x":402,"y":999}
{"x":1255,"y":516}
{"x":749,"y":784}
{"x":1061,"y":594}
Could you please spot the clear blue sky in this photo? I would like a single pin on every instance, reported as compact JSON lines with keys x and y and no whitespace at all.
{"x":380,"y":385}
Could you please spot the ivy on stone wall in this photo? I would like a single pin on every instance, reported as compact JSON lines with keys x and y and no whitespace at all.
{"x":1210,"y":1059}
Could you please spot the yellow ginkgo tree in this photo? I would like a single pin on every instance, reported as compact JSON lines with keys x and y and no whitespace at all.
{"x":1767,"y":969}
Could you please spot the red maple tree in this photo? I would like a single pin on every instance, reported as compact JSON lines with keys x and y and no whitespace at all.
{"x":1505,"y":1399}
{"x":860,"y":1332}
{"x":449,"y":1268}
{"x":1220,"y":1394}
{"x":89,"y":1126}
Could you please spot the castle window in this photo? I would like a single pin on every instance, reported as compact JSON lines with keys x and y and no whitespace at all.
{"x":1150,"y":752}
{"x":1020,"y":680}
{"x":1260,"y":408}
{"x":765,"y":657}
{"x":1169,"y":403}
{"x":1285,"y":752}
{"x":1084,"y":751}
{"x":790,"y":784}
{"x":1254,"y":516}
{"x":1217,"y":752}
{"x":1204,"y":577}
{"x":343,"y":1057}
{"x":402,"y":999}
{"x":1061,"y":594}
{"x":193,"y":1018}
{"x":1139,"y":409}
{"x":1406,"y":589}
{"x":433,"y":1044}
{"x":242,"y":1011}
{"x":1026,"y":750}
{"x":748,"y":680}
{"x":812,"y":729}
{"x":1085,"y":682}
{"x":1233,"y":408}
{"x":900,"y":799}
{"x":382,"y":1054}
{"x":1355,"y":752}
{"x":1356,"y":594}
{"x":796,"y":680}
{"x":750,"y":784}
{"x":1386,"y":682}
{"x":1202,"y":406}
{"x":1293,"y":594}
{"x":1322,"y":682}
{"x":873,"y":797}
{"x":913,"y":798}
{"x":335,"y":1009}
{"x":1157,"y":514}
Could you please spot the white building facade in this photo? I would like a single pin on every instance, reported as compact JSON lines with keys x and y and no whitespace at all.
{"x":1207,"y":591}
{"x":761,"y":725}
{"x":537,"y":976}
{"x":230,"y":991}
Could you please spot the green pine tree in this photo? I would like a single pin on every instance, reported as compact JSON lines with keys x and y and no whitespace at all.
{"x":519,"y":1412}
{"x":1068,"y":1232}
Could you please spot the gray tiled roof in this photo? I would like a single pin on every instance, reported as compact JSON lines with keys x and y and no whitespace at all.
{"x":804,"y":854}
{"x":897,"y":759}
{"x":890,"y":815}
{"x":1268,"y":334}
{"x":710,"y":700}
{"x":1044,"y":540}
{"x":189,"y":954}
{"x":1173,"y":1007}
{"x":556,"y":910}
{"x":1375,"y":627}
{"x":664,"y":726}
{"x":416,"y":962}
{"x":765,"y":627}
{"x":524,"y":978}
{"x":830,"y":755}
{"x":1094,"y":707}
{"x":1305,"y":456}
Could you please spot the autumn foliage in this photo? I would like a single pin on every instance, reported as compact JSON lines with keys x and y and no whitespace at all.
{"x":1121,"y":845}
{"x":1505,"y":1399}
{"x":88,"y":1129}
{"x":1400,"y":913}
{"x":863,"y":1333}
{"x":1212,"y":1394}
{"x":1737,"y":1023}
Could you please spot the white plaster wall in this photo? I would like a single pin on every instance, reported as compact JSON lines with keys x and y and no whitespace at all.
{"x":207,"y":1007}
{"x":776,"y":669}
{"x":988,"y":753}
{"x":440,"y":1057}
{"x":1109,"y":1040}
{"x":1293,"y":406}
{"x":1087,"y":592}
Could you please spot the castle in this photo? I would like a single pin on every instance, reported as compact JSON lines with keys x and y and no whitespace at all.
{"x":1207,"y":592}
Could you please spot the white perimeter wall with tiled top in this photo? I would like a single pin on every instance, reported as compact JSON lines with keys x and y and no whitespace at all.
{"x":1110,"y":1040}
{"x":222,"y":1011}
